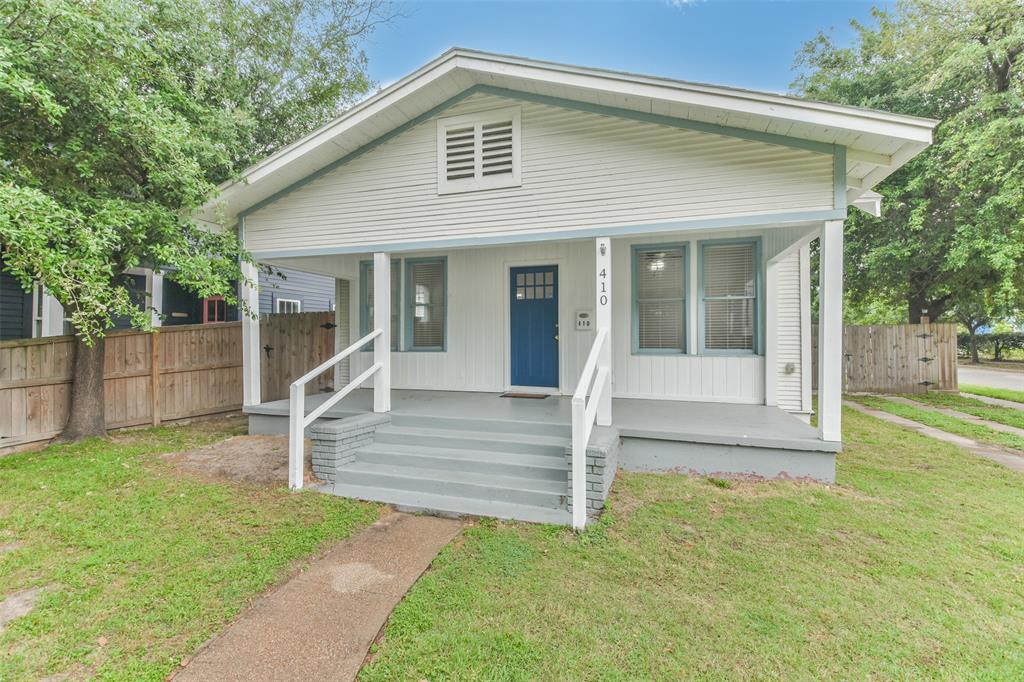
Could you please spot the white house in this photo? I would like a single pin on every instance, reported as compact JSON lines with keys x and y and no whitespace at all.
{"x":635,"y":248}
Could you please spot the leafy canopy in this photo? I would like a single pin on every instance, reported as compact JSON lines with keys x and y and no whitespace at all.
{"x":119,"y":117}
{"x":952,"y":235}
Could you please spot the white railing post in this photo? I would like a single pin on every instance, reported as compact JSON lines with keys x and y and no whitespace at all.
{"x":250,"y":335}
{"x":296,"y":435}
{"x":830,"y":332}
{"x":382,"y":320}
{"x":579,"y":464}
{"x":603,"y":317}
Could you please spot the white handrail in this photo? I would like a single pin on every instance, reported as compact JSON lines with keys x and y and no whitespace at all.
{"x":298,"y":420}
{"x":584,"y":414}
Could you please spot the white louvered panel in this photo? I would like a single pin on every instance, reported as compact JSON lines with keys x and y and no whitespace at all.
{"x":578,"y":171}
{"x":496,"y":148}
{"x":460,"y":153}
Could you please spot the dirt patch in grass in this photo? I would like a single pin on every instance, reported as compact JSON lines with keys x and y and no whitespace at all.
{"x":259,"y":460}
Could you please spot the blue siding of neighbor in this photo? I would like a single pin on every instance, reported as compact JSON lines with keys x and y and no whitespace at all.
{"x":15,"y":308}
{"x":315,"y":291}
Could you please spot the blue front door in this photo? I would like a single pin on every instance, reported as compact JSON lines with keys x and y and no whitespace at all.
{"x":534,"y":322}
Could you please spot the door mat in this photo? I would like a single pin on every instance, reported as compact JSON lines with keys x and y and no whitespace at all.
{"x":535,"y":396}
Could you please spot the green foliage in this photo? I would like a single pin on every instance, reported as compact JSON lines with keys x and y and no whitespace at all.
{"x":119,"y":117}
{"x":992,"y":345}
{"x":952,"y":235}
{"x":990,"y":392}
{"x":141,"y":564}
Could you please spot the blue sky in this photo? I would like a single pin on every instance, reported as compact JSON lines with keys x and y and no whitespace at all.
{"x":744,"y":44}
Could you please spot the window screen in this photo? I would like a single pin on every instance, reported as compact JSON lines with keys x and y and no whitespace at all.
{"x":730,"y":296}
{"x":396,"y":301}
{"x":660,"y":299}
{"x":425,"y":304}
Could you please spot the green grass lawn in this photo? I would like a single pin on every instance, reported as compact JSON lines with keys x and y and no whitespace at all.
{"x":978,"y":432}
{"x":908,"y":568}
{"x":1003,"y":393}
{"x":142,"y":564}
{"x":1002,"y":415}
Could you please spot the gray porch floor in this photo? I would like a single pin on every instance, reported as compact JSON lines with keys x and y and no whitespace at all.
{"x":694,"y":422}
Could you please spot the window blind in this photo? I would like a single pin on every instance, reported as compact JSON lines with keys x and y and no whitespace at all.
{"x":426,"y":304}
{"x":660,"y":296}
{"x":729,"y":297}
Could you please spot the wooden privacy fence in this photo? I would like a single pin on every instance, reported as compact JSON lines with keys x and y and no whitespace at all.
{"x":904,"y":358}
{"x":178,"y":372}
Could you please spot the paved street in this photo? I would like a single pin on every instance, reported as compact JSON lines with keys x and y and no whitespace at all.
{"x":991,"y":377}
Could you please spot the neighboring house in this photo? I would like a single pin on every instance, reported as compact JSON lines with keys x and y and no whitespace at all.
{"x":524,"y":227}
{"x":294,"y":291}
{"x":34,"y":314}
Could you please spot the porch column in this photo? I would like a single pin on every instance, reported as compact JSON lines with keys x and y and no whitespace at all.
{"x":382,"y":320}
{"x":249,"y":295}
{"x":830,"y":332}
{"x":603,"y":308}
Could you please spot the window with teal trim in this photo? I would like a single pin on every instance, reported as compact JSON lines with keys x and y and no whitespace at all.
{"x":659,"y":299}
{"x":729,"y":296}
{"x":366,"y":300}
{"x":425,"y":303}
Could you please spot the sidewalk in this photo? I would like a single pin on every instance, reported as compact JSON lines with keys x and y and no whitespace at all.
{"x":320,"y":624}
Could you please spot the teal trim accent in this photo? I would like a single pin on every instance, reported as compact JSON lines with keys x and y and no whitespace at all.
{"x":767,"y":219}
{"x":369,"y":146}
{"x":635,"y":252}
{"x":839,"y":177}
{"x":644,"y":117}
{"x":364,"y":303}
{"x":410,"y":304}
{"x":758,"y":296}
{"x":684,"y":124}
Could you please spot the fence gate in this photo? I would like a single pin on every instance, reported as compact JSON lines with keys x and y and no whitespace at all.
{"x":291,"y":344}
{"x":905,"y":358}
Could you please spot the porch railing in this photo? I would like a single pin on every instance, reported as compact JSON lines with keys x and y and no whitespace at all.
{"x":298,"y":420}
{"x":584,"y":415}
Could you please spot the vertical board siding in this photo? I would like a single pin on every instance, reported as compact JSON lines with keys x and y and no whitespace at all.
{"x":905,"y":358}
{"x":788,"y":387}
{"x":476,"y":358}
{"x":579,"y":171}
{"x":316,"y":292}
{"x":298,"y":342}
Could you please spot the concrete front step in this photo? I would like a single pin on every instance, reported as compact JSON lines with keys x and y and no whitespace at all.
{"x":523,"y":443}
{"x":412,"y":500}
{"x":548,"y":494}
{"x":492,"y":426}
{"x":542,"y":467}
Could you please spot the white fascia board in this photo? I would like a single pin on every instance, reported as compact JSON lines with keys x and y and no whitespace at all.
{"x":725,"y":99}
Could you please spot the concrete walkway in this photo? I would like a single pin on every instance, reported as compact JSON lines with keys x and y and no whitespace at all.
{"x":998,"y":402}
{"x":1008,"y":458}
{"x":957,"y":414}
{"x":320,"y":624}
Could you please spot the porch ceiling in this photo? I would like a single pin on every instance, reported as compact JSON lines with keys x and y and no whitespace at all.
{"x":877,"y":142}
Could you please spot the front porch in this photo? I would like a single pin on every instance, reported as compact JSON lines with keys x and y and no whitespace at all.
{"x":480,"y":453}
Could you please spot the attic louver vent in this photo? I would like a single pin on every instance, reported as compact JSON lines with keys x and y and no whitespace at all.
{"x":478,"y":151}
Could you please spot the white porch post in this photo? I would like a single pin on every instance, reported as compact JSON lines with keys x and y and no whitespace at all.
{"x":603,"y":307}
{"x":830,"y":332}
{"x":382,"y":320}
{"x":155,"y":285}
{"x":249,"y":293}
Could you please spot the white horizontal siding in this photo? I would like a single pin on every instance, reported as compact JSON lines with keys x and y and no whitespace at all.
{"x":580,"y":171}
{"x":788,"y":388}
{"x":477,"y":355}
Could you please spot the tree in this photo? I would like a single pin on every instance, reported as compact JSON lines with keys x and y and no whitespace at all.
{"x":953,"y":228}
{"x":119,"y":117}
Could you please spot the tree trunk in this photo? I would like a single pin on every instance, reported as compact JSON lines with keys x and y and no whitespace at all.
{"x":974,"y":347}
{"x":88,"y":416}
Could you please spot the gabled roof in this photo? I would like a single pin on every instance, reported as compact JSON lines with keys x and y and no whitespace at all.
{"x":877,"y":142}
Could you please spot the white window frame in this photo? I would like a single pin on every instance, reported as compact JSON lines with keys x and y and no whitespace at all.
{"x":279,"y":301}
{"x":478,"y":181}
